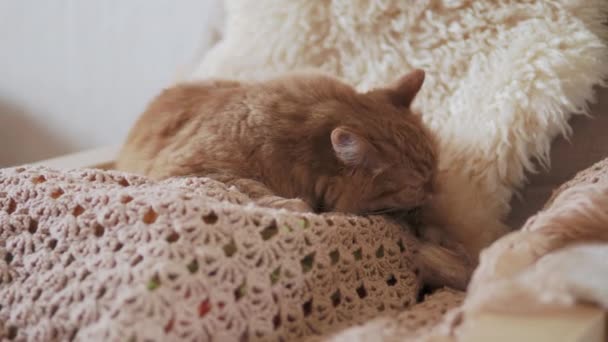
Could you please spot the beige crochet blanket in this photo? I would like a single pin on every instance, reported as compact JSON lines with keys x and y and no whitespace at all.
{"x":100,"y":255}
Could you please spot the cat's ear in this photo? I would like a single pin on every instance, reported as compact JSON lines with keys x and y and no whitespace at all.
{"x":350,"y":148}
{"x":403,"y":92}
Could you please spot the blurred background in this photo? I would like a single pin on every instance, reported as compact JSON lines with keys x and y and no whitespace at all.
{"x":75,"y":74}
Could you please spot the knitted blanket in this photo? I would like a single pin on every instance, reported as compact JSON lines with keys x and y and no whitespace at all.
{"x":101,"y":255}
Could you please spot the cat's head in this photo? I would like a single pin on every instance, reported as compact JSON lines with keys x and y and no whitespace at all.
{"x":387,"y":157}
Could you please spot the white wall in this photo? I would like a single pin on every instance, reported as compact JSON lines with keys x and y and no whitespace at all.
{"x":75,"y":74}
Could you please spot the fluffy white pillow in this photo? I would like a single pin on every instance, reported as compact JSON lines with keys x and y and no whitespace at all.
{"x":503,"y":77}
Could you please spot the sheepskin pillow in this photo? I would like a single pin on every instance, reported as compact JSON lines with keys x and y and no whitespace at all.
{"x":503,"y":77}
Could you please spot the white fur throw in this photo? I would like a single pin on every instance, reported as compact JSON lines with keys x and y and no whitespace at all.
{"x":503,"y":77}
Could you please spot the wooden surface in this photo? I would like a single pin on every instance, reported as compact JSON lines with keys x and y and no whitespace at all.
{"x":577,"y":324}
{"x":587,"y":145}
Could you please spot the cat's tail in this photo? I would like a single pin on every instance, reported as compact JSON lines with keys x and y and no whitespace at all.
{"x":440,"y":266}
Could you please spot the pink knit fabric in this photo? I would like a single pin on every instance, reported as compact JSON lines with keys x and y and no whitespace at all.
{"x":101,"y":255}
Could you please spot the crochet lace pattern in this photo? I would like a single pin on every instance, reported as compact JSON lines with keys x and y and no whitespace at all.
{"x":102,"y":255}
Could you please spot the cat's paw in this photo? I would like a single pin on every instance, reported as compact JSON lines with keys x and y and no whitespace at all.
{"x":292,"y":204}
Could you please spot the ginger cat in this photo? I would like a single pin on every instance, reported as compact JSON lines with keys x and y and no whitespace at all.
{"x":308,"y":137}
{"x":300,"y":142}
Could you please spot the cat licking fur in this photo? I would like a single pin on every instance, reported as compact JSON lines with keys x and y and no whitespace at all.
{"x":303,"y":142}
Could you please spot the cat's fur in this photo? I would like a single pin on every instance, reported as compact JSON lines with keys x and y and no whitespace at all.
{"x":301,"y":142}
{"x":304,"y":136}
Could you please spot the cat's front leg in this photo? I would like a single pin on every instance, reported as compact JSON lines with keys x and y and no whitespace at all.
{"x":252,"y":188}
{"x":261,"y":194}
{"x":293,"y":204}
